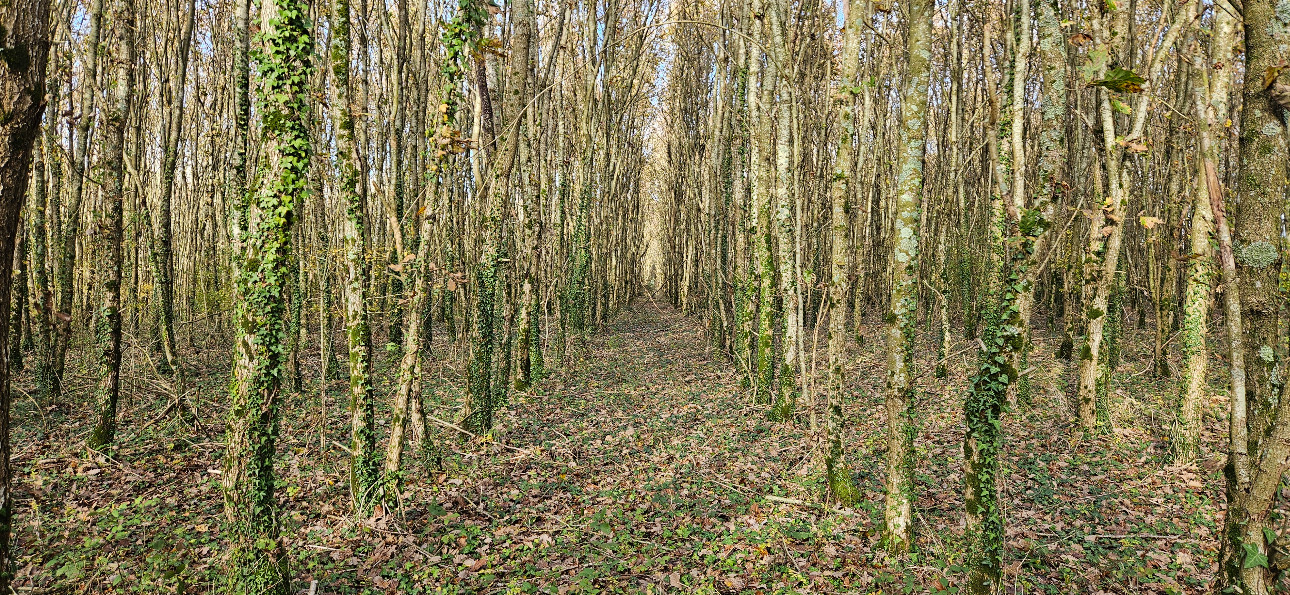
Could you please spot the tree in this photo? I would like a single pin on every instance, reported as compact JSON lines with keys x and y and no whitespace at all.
{"x":763,"y":79}
{"x":785,"y":232}
{"x":109,"y":222}
{"x":490,"y":277}
{"x":1211,"y":102}
{"x":1260,"y":417}
{"x":837,"y":473}
{"x":258,"y":561}
{"x":364,"y":464}
{"x":1106,"y":230}
{"x":65,"y":237}
{"x":903,"y":317}
{"x":1014,"y":231}
{"x":24,"y":47}
{"x":161,"y":255}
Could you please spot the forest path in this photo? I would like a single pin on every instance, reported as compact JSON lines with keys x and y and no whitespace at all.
{"x":655,"y":466}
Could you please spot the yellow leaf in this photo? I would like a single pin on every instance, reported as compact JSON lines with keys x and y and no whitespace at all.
{"x":1270,"y":76}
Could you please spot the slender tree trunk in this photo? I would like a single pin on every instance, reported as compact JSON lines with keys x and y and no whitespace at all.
{"x":785,"y":225}
{"x":363,"y":472}
{"x":490,"y":278}
{"x":109,"y":223}
{"x":66,"y":242}
{"x":19,"y":289}
{"x":1017,"y":195}
{"x":162,"y":253}
{"x":46,"y":222}
{"x":1211,"y":102}
{"x":763,"y":79}
{"x":902,"y":320}
{"x":41,"y":302}
{"x":836,"y":469}
{"x":409,"y":379}
{"x":1106,"y":230}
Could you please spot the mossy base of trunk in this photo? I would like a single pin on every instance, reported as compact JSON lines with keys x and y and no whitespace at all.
{"x":478,"y":422}
{"x":841,"y":487}
{"x":1067,"y":349}
{"x":782,"y":410}
{"x":105,"y":432}
{"x":258,"y":569}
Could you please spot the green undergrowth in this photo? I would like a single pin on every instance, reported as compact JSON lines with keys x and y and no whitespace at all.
{"x":642,"y":466}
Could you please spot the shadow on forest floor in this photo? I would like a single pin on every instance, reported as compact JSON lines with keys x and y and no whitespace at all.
{"x":641,"y":467}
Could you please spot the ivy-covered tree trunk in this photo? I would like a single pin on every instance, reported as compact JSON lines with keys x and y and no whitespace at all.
{"x":491,"y":280}
{"x":109,"y":222}
{"x":902,"y":320}
{"x":987,"y":395}
{"x":363,"y":466}
{"x":257,"y":559}
{"x":45,"y":221}
{"x":1013,"y":234}
{"x":1260,"y":450}
{"x":1211,"y":104}
{"x":19,"y":306}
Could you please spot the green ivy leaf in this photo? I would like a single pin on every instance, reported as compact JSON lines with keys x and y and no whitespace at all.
{"x":1253,"y":557}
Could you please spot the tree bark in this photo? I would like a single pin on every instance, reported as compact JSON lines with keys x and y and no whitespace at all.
{"x":24,"y":47}
{"x":258,"y":561}
{"x":902,"y":320}
{"x":109,"y":223}
{"x":1250,"y":253}
{"x":363,"y":469}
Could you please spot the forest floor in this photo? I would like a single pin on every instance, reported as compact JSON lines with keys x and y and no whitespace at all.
{"x":643,"y":467}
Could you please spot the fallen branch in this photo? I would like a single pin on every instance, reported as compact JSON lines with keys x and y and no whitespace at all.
{"x":471,"y":434}
{"x":793,"y":501}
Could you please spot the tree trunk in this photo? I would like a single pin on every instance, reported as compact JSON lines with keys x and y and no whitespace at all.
{"x":109,"y":223}
{"x":787,"y":239}
{"x":837,"y":471}
{"x":363,"y":470}
{"x":66,"y":242}
{"x":258,"y":561}
{"x":1211,"y":102}
{"x":19,"y":305}
{"x":902,"y":320}
{"x":22,"y":90}
{"x":1251,"y":254}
